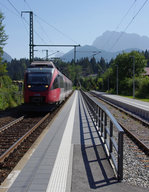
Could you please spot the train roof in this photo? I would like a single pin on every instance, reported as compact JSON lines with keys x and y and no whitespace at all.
{"x":41,"y":66}
{"x":39,"y":69}
{"x":48,"y":64}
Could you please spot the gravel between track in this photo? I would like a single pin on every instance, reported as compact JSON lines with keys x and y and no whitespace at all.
{"x":136,"y":163}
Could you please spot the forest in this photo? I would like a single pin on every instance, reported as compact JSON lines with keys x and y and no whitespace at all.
{"x":99,"y":75}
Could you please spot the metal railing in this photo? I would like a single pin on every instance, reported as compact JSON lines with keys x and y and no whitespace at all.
{"x":110,"y":131}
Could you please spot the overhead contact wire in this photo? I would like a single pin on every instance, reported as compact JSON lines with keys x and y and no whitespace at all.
{"x":128,"y":25}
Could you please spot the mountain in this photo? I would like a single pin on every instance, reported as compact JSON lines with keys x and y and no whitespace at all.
{"x":90,"y":51}
{"x":81,"y":52}
{"x":118,"y":41}
{"x":109,"y":45}
{"x":6,"y":57}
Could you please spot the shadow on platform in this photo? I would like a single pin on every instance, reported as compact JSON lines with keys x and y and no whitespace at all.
{"x":91,"y":168}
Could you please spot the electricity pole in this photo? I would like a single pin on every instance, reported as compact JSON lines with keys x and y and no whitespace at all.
{"x":75,"y":53}
{"x":46,"y":54}
{"x":133,"y":76}
{"x":117,"y":79}
{"x":31,"y":37}
{"x":133,"y":57}
{"x":75,"y":46}
{"x":31,"y":40}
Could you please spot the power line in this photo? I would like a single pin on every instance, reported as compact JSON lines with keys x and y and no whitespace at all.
{"x":44,"y":31}
{"x":28,"y":5}
{"x":128,"y":25}
{"x":18,"y":12}
{"x":121,"y":21}
{"x":14,"y":7}
{"x":37,"y":20}
{"x":56,"y":29}
{"x":136,"y":15}
{"x":8,"y":9}
{"x":125,"y":15}
{"x":59,"y":31}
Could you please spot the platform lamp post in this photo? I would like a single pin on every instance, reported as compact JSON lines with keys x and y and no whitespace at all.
{"x":117,"y":79}
{"x":133,"y":57}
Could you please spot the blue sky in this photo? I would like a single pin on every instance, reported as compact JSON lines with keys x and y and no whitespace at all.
{"x":68,"y":22}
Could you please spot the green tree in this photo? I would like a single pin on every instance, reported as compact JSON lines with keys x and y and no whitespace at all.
{"x":3,"y":36}
{"x":124,"y":62}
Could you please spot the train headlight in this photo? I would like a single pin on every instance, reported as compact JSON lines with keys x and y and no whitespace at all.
{"x":46,"y":86}
{"x":29,"y":86}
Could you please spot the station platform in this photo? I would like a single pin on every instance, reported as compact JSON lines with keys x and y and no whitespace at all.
{"x":69,"y":158}
{"x":137,"y":108}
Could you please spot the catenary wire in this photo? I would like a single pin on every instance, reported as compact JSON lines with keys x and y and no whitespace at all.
{"x":8,"y":9}
{"x":131,"y":21}
{"x":27,"y":4}
{"x":51,"y":26}
{"x":18,"y":12}
{"x":119,"y":24}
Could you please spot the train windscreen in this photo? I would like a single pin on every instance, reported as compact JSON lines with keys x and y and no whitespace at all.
{"x":39,"y":78}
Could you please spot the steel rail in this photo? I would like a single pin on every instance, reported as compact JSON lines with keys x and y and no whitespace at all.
{"x":100,"y":115}
{"x":11,"y":123}
{"x":136,"y":140}
{"x":128,"y":132}
{"x":17,"y":143}
{"x":135,"y":116}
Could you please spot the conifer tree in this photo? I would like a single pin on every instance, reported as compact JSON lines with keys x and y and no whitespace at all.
{"x":3,"y":38}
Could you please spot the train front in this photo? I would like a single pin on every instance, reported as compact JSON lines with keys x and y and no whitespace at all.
{"x":37,"y":85}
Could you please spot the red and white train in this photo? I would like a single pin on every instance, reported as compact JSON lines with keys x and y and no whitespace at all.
{"x":45,"y":84}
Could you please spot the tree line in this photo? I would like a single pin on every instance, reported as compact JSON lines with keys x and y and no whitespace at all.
{"x":99,"y":75}
{"x":8,"y":91}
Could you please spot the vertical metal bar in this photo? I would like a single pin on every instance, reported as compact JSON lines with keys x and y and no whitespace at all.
{"x":101,"y":122}
{"x":120,"y":156}
{"x":31,"y":37}
{"x":111,"y":135}
{"x":97,"y":116}
{"x":105,"y":125}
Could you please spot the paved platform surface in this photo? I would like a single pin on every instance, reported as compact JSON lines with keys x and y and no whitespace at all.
{"x":70,"y":157}
{"x":135,"y":102}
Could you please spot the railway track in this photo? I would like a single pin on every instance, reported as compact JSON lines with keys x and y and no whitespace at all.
{"x":17,"y":137}
{"x":136,"y":129}
{"x":11,"y":123}
{"x":135,"y":146}
{"x":13,"y":137}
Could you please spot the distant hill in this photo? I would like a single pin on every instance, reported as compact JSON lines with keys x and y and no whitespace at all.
{"x":81,"y":52}
{"x":7,"y":57}
{"x":90,"y":51}
{"x":124,"y":41}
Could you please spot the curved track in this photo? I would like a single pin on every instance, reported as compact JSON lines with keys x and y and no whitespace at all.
{"x":136,"y":129}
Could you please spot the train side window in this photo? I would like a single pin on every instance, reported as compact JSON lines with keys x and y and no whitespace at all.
{"x":55,"y":83}
{"x":61,"y":82}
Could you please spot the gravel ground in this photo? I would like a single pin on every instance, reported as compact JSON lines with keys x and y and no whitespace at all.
{"x":136,"y":163}
{"x":135,"y":170}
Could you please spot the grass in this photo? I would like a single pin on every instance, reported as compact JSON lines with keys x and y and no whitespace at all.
{"x":131,"y":97}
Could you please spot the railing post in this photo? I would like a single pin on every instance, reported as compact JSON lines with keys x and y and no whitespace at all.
{"x":99,"y":120}
{"x":97,"y":111}
{"x":105,"y":125}
{"x":105,"y":122}
{"x":111,"y":135}
{"x":101,"y":123}
{"x":120,"y":156}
